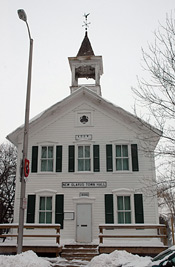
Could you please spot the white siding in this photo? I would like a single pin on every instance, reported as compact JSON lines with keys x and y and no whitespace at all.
{"x":60,"y":129}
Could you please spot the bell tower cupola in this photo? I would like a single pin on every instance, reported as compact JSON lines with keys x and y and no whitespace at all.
{"x":86,"y":66}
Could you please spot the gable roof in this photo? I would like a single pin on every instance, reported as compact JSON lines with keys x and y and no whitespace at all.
{"x":116,"y":110}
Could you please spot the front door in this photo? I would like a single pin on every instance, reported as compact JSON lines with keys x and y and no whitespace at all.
{"x":84,"y":222}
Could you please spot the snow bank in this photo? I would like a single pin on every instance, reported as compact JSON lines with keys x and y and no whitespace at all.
{"x":117,"y":258}
{"x":26,"y":259}
{"x":120,"y":258}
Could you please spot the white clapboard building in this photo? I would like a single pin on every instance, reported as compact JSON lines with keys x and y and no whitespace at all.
{"x":87,"y":163}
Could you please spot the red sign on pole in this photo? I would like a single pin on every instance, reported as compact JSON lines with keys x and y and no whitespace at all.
{"x":26,"y":168}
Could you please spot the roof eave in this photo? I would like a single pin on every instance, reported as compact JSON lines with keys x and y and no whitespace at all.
{"x":13,"y":136}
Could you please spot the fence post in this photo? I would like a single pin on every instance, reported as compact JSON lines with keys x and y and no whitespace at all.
{"x":58,"y":232}
{"x":165,"y":241}
{"x":100,"y":235}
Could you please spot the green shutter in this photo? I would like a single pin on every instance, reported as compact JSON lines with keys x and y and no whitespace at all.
{"x":138,"y":204}
{"x":134,"y":154}
{"x":109,"y":210}
{"x":59,"y":209}
{"x":34,"y":158}
{"x":31,"y":209}
{"x":71,"y":164}
{"x":59,"y":159}
{"x":109,"y":164}
{"x":96,"y":157}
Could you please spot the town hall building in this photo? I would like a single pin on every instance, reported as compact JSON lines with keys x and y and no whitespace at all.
{"x":88,"y":165}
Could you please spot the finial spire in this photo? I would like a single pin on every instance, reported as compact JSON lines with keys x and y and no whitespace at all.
{"x":86,"y":24}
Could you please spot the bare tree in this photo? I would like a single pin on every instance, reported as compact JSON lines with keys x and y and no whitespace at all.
{"x":8,"y":161}
{"x":155,"y":95}
{"x":156,"y":92}
{"x":166,"y":196}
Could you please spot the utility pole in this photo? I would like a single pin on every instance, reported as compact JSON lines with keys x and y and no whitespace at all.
{"x":25,"y":162}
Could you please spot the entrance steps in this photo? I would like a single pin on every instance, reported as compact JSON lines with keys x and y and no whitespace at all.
{"x":73,"y":263}
{"x":81,"y":252}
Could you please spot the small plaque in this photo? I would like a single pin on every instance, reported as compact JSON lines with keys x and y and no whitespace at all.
{"x":83,"y":137}
{"x":69,"y":215}
{"x":24,"y":204}
{"x":84,"y":194}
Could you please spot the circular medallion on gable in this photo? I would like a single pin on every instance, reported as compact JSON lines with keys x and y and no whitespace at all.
{"x":84,"y":119}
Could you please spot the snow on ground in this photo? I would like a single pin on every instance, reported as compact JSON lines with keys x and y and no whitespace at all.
{"x":26,"y":259}
{"x":120,"y":258}
{"x":115,"y":259}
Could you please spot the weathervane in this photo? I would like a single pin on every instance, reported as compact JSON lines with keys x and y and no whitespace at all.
{"x":86,"y":24}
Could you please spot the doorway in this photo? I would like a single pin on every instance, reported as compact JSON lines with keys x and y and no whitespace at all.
{"x":84,"y":223}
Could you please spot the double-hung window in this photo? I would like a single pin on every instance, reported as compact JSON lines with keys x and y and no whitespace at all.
{"x":47,"y":158}
{"x":122,"y":158}
{"x":84,"y":158}
{"x":45,"y":210}
{"x":124,"y":209}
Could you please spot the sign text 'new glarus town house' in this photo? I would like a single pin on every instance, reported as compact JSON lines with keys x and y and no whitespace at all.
{"x":87,"y":162}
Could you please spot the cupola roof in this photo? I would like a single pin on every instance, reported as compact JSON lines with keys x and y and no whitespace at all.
{"x":85,"y":48}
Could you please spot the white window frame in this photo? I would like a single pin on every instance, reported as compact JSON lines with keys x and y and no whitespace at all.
{"x":45,"y":211}
{"x":54,"y":157}
{"x":124,"y":192}
{"x":91,"y":157}
{"x":129,"y":157}
{"x":45,"y":193}
{"x":124,"y":211}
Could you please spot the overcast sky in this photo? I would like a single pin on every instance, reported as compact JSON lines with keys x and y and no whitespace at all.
{"x":118,"y":30}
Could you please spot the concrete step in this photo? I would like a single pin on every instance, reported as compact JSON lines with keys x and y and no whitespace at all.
{"x":77,"y":257}
{"x":80,"y":246}
{"x":69,"y":263}
{"x":79,"y":252}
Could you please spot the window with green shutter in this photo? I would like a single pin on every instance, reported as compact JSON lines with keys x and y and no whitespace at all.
{"x":31,"y":199}
{"x":59,"y":159}
{"x":71,"y":163}
{"x":34,"y":167}
{"x":109,"y":159}
{"x":138,"y":204}
{"x":109,"y":209}
{"x":96,"y":158}
{"x":134,"y":154}
{"x":59,"y":209}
